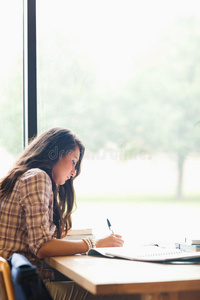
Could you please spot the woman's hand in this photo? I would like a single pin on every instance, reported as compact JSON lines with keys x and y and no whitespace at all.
{"x":113,"y":240}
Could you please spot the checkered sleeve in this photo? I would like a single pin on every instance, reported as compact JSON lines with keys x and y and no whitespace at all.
{"x":37,"y":203}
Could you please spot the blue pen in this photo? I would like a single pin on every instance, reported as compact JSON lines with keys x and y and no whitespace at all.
{"x":110,"y":226}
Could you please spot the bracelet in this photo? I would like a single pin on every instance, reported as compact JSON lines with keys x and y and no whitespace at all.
{"x":90,"y":242}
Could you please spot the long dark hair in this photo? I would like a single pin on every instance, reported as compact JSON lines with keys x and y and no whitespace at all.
{"x":44,"y":152}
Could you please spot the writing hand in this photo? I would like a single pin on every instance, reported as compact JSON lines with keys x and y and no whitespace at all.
{"x":113,"y":240}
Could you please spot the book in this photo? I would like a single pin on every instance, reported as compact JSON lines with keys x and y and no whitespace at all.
{"x":78,"y":234}
{"x":189,"y":247}
{"x":192,"y":241}
{"x":80,"y":231}
{"x":146,"y":253}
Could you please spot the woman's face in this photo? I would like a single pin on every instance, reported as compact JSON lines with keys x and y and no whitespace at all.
{"x":65,"y":167}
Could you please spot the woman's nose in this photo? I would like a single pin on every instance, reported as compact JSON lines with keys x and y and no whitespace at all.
{"x":73,"y":172}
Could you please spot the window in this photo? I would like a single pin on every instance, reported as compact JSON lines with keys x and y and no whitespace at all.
{"x":11,"y":83}
{"x":124,"y":75}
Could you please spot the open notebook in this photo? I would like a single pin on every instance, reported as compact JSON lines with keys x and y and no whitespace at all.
{"x":147,"y":253}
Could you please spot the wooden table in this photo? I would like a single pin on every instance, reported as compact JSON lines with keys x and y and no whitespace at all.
{"x":116,"y":276}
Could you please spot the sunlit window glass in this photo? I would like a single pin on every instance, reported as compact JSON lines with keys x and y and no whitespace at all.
{"x":124,"y":75}
{"x":11,"y":82}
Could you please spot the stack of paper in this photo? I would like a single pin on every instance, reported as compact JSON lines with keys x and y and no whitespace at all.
{"x":79,"y":233}
{"x":191,"y":244}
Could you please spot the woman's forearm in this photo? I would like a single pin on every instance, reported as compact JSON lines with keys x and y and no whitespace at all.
{"x":61,"y":247}
{"x":66,"y":247}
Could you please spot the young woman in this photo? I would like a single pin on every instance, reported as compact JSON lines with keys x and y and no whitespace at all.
{"x":36,"y":202}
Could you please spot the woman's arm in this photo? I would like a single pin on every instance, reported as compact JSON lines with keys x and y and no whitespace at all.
{"x":61,"y":247}
{"x":65,"y":247}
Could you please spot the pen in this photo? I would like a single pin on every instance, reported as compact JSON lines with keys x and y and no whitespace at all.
{"x":110,"y":226}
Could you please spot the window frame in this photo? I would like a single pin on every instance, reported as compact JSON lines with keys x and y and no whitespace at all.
{"x":29,"y":71}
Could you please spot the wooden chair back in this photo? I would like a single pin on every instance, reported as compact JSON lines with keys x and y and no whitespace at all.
{"x":6,"y":284}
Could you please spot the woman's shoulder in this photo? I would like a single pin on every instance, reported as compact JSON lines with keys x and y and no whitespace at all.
{"x":33,"y":183}
{"x":35,"y":174}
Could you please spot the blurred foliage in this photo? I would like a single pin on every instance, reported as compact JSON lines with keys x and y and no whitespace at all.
{"x":156,"y":110}
{"x":163,"y":199}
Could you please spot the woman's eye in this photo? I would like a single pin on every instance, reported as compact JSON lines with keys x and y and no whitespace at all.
{"x":73,"y":162}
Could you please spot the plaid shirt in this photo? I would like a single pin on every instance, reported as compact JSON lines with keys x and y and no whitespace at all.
{"x":26,"y":217}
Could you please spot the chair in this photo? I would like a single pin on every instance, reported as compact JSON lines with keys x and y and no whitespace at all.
{"x":6,"y":284}
{"x":28,"y":284}
{"x":19,"y":280}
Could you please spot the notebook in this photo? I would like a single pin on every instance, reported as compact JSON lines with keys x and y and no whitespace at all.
{"x":146,"y":253}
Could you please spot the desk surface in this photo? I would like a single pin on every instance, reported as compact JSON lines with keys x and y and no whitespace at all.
{"x":107,"y":276}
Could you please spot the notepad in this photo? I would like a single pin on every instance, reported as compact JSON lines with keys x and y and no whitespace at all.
{"x":146,"y":253}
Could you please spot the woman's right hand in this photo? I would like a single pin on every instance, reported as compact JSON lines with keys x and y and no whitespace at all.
{"x":113,"y":240}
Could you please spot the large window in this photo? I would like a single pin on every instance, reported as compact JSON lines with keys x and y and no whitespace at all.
{"x":11,"y":82}
{"x":124,"y":75}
